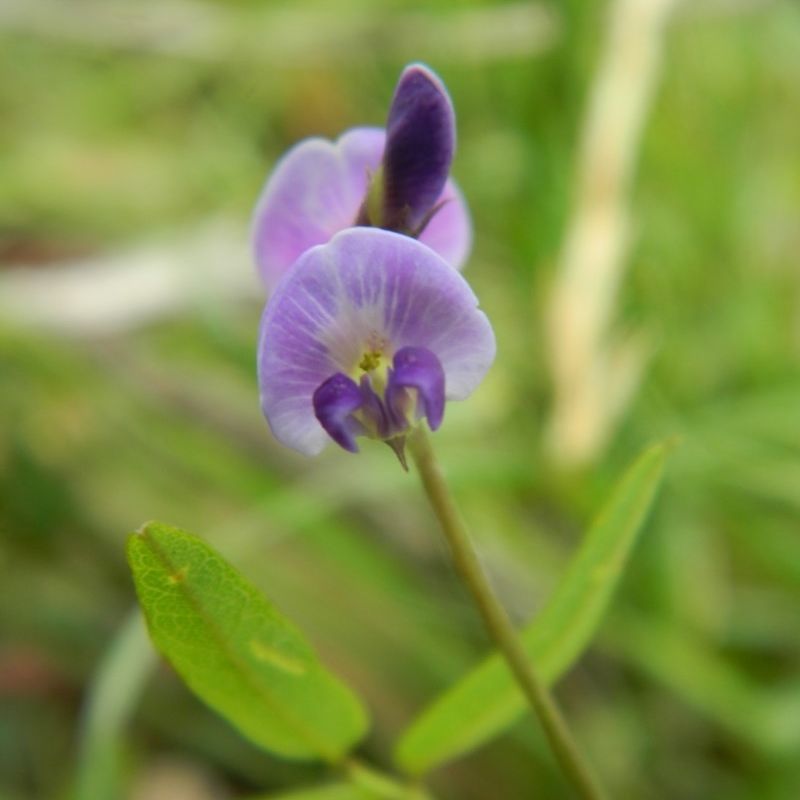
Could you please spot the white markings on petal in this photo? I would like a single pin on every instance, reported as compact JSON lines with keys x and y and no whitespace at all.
{"x":365,"y":286}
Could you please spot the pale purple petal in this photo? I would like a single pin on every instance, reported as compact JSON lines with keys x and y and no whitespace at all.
{"x":366,"y":289}
{"x":316,"y":190}
{"x":449,"y":233}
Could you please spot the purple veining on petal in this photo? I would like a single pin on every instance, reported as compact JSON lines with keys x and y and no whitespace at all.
{"x":416,"y":368}
{"x":334,"y":401}
{"x":367,"y":289}
{"x":313,"y":192}
{"x":420,"y":142}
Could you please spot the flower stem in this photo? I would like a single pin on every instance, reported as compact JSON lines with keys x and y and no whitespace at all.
{"x":496,"y":619}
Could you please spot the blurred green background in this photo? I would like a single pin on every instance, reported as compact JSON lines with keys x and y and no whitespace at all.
{"x":134,"y":139}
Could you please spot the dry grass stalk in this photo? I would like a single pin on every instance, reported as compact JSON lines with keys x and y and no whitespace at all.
{"x":594,"y":377}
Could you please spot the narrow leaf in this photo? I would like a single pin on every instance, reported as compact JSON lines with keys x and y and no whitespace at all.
{"x":766,"y":717}
{"x":487,"y":701}
{"x":112,"y":698}
{"x":236,"y":652}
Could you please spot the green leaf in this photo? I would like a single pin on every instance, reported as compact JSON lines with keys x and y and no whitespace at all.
{"x":365,"y":784}
{"x":236,"y":652}
{"x":767,"y":718}
{"x":111,"y":700}
{"x":487,"y":701}
{"x":333,"y":791}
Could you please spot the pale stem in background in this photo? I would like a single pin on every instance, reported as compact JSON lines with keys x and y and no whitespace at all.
{"x":594,"y":378}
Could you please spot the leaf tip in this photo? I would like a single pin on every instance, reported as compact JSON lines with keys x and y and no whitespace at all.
{"x":146,"y":528}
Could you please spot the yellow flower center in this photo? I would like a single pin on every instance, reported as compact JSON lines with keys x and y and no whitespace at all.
{"x":376,"y":358}
{"x":370,"y":361}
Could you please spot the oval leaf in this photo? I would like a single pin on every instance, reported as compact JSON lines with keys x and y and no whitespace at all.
{"x":487,"y":701}
{"x":236,"y":652}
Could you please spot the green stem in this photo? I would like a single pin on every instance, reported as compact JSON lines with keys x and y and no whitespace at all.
{"x":381,"y":784}
{"x":497,"y":621}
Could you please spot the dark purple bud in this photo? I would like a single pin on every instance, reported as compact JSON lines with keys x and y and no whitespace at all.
{"x":420,"y":142}
{"x":416,"y":368}
{"x":335,"y":400}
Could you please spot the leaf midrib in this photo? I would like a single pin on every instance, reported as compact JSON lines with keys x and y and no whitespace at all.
{"x":242,"y":667}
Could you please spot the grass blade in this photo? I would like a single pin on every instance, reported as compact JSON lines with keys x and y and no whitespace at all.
{"x":487,"y":701}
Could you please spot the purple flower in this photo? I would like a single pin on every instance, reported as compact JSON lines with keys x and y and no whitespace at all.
{"x":365,"y":336}
{"x":395,"y":179}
